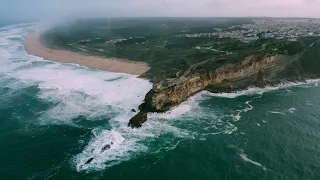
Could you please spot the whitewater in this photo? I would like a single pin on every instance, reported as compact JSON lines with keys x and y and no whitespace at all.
{"x":76,"y":91}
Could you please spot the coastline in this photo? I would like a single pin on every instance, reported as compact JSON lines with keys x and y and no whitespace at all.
{"x":33,"y":46}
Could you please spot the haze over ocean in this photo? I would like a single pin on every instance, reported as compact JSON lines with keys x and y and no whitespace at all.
{"x":54,"y":117}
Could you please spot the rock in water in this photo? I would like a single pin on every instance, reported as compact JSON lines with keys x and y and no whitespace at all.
{"x":138,"y":119}
{"x":133,"y":110}
{"x":89,"y":161}
{"x":108,"y":146}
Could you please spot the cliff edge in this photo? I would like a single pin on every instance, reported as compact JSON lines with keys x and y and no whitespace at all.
{"x":223,"y":75}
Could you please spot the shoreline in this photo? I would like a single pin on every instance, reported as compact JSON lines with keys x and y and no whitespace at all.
{"x":33,"y":46}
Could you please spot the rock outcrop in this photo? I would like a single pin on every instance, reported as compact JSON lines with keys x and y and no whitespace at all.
{"x":219,"y":75}
{"x":138,"y":119}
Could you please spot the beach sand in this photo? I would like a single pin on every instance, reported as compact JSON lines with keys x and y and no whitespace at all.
{"x":34,"y":46}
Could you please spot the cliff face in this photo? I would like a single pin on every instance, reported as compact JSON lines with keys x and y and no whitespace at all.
{"x":219,"y":76}
{"x":226,"y":78}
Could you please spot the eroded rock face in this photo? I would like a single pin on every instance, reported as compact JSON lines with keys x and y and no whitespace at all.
{"x":225,"y":78}
{"x":214,"y":76}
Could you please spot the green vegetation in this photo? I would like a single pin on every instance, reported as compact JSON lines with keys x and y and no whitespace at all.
{"x":161,"y":42}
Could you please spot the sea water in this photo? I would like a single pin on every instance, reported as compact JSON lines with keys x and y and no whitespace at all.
{"x":54,"y":117}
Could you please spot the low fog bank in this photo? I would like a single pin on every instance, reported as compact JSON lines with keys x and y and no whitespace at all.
{"x":60,"y":10}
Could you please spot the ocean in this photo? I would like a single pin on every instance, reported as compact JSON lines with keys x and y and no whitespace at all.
{"x":54,"y":117}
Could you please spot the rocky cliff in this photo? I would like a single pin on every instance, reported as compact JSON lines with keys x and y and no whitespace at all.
{"x":219,"y":75}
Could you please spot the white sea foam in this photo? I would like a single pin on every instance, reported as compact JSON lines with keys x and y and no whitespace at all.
{"x":276,"y":112}
{"x":253,"y":91}
{"x":95,"y":149}
{"x":292,"y":110}
{"x":194,"y":117}
{"x":250,"y":91}
{"x":133,"y":143}
{"x":182,"y":109}
{"x":173,"y":113}
{"x":249,"y":107}
{"x":245,"y":158}
{"x":72,"y":91}
{"x":4,"y":54}
{"x":237,"y":117}
{"x":309,"y":103}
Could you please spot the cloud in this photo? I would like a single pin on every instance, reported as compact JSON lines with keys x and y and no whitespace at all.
{"x":136,"y":8}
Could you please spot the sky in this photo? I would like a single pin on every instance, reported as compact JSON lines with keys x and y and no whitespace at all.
{"x":49,"y":9}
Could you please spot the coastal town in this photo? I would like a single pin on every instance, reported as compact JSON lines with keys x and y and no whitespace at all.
{"x":289,"y":29}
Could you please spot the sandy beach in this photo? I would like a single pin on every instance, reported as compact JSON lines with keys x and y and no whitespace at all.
{"x":35,"y":47}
